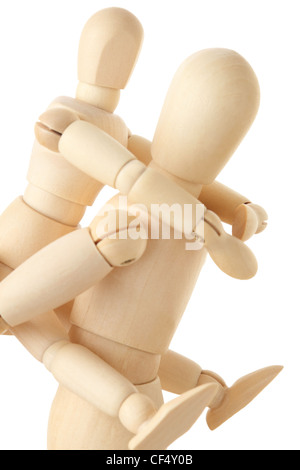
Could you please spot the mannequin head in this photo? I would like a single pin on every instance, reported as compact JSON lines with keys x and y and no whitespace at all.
{"x":212,"y":102}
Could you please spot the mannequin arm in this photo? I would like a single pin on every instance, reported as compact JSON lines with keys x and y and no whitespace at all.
{"x":61,"y":271}
{"x":141,"y":148}
{"x":234,"y":209}
{"x":100,"y":156}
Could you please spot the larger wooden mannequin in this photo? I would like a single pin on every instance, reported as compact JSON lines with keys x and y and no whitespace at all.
{"x":130,"y":294}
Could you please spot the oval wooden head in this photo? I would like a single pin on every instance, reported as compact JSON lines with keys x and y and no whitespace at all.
{"x":212,"y":101}
{"x":109,"y":47}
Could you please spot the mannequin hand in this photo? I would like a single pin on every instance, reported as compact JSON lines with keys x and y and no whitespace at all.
{"x":52,"y":125}
{"x":248,"y":220}
{"x":229,"y":253}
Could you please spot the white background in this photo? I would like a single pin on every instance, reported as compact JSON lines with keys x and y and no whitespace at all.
{"x":230,"y":326}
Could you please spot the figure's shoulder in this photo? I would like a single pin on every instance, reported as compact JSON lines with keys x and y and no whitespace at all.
{"x":108,"y":122}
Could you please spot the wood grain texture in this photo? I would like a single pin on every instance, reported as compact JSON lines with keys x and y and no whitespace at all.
{"x":53,"y":207}
{"x":101,"y":97}
{"x":141,"y":148}
{"x":38,"y":334}
{"x":135,"y":411}
{"x":124,"y":318}
{"x":154,"y":188}
{"x":222,"y":200}
{"x":173,"y":419}
{"x":229,"y":253}
{"x":52,"y":277}
{"x":23,"y":231}
{"x":109,"y":47}
{"x":75,"y":424}
{"x":240,"y":395}
{"x":245,"y":223}
{"x":137,"y":366}
{"x":94,"y":152}
{"x":177,"y":373}
{"x":110,"y":123}
{"x":86,"y":374}
{"x":151,"y":297}
{"x":211,"y":103}
{"x":52,"y":173}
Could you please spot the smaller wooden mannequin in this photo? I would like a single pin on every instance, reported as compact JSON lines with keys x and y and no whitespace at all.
{"x":130,"y":294}
{"x":56,"y":197}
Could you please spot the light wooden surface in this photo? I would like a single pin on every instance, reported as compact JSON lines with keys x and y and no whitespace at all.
{"x":109,"y":47}
{"x":82,"y":143}
{"x":245,"y":223}
{"x":4,"y":271}
{"x":4,"y":327}
{"x":57,"y":193}
{"x":55,"y":119}
{"x":53,"y":207}
{"x":135,"y":411}
{"x":154,"y":188}
{"x":121,"y":253}
{"x":110,"y":123}
{"x":52,"y":173}
{"x":230,"y":254}
{"x":141,"y":148}
{"x":135,"y":308}
{"x":178,"y":374}
{"x":143,"y":287}
{"x":23,"y":231}
{"x":240,"y":395}
{"x":173,"y":419}
{"x":192,"y":188}
{"x":101,"y":97}
{"x":137,"y":366}
{"x":76,"y":424}
{"x":151,"y":186}
{"x":61,"y":271}
{"x":170,"y":180}
{"x":222,"y":200}
{"x":261,"y":215}
{"x":72,"y":262}
{"x":86,"y":374}
{"x":40,"y":333}
{"x":127,"y":177}
{"x":214,"y":93}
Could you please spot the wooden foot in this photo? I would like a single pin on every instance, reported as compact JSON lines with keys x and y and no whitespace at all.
{"x":240,"y":395}
{"x":173,"y":419}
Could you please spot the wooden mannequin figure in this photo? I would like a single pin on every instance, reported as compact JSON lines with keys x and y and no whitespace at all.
{"x":123,"y":318}
{"x":57,"y":195}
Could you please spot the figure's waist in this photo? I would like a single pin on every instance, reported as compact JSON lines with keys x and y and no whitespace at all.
{"x":138,"y":366}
